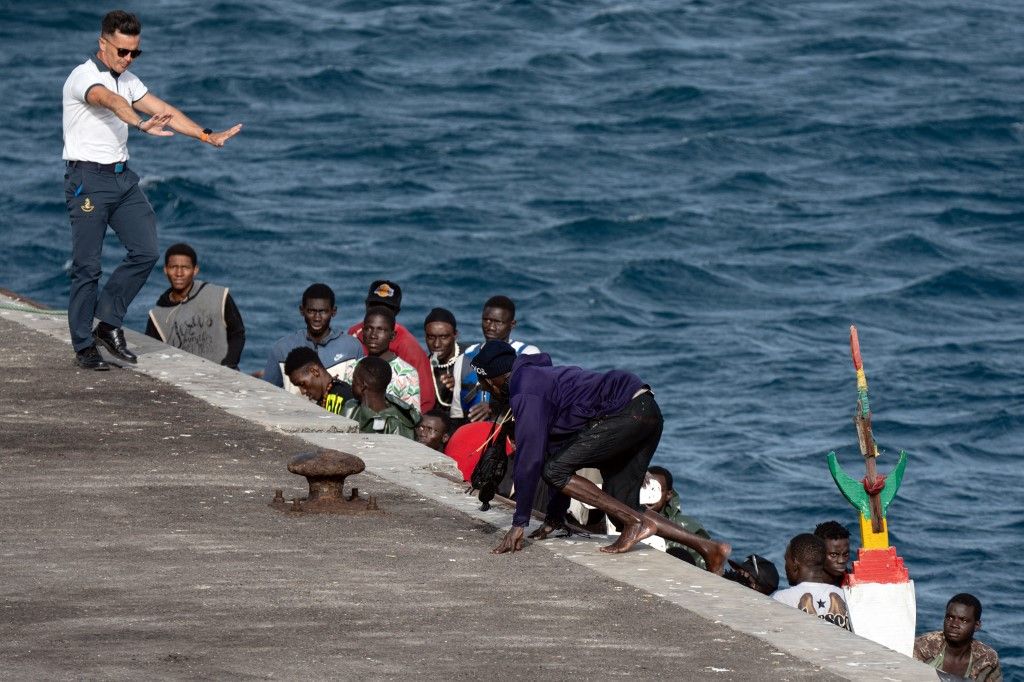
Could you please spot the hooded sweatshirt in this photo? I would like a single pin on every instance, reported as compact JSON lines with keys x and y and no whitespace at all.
{"x":550,"y":403}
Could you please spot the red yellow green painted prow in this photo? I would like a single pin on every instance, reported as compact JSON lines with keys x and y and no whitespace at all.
{"x":879,"y":591}
{"x":871,"y":495}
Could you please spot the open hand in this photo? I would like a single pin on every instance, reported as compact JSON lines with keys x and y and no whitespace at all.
{"x":218,"y":139}
{"x":512,"y":542}
{"x":155,"y":125}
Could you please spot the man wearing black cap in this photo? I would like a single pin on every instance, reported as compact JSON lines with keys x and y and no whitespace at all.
{"x":441,"y":334}
{"x":404,"y":345}
{"x":566,"y":419}
{"x":756,"y":572}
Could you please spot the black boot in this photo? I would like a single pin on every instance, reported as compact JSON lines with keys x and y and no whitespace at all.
{"x":89,"y":358}
{"x":113,"y":339}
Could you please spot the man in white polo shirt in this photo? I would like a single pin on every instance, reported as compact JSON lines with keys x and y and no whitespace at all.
{"x":101,"y":100}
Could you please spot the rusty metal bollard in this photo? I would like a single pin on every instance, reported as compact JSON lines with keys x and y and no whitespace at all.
{"x":326,"y":471}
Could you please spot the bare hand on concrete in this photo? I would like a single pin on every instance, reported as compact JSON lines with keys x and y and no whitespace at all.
{"x":512,"y":542}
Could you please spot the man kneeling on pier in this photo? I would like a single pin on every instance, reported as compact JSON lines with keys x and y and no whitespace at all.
{"x":566,"y":419}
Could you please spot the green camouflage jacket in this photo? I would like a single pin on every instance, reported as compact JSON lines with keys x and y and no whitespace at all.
{"x":674,"y":513}
{"x":984,"y":665}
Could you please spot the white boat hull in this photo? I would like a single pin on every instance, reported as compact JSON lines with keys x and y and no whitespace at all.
{"x":885,"y":613}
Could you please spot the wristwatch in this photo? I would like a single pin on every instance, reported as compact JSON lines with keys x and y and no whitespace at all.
{"x":205,"y":137}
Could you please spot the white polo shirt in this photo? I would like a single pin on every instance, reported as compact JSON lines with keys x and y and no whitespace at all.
{"x":93,"y":133}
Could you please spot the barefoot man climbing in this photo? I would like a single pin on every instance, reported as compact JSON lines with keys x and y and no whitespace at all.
{"x":566,"y":419}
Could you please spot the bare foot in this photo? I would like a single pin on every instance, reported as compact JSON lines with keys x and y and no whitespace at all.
{"x":716,"y":559}
{"x":632,"y":533}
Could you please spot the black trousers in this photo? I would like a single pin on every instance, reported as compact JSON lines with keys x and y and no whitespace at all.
{"x":620,"y":446}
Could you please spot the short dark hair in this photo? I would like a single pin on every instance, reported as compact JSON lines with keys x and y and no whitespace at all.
{"x":121,"y":21}
{"x":181,"y":249}
{"x":503,"y":302}
{"x":967,"y":600}
{"x":807,"y":549}
{"x":381,"y":310}
{"x":299,"y":358}
{"x":664,"y":473}
{"x":318,"y":290}
{"x":831,"y":530}
{"x":377,"y":372}
{"x":440,"y":413}
{"x":440,"y":315}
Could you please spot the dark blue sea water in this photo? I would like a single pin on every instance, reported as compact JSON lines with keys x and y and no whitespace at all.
{"x":708,"y":193}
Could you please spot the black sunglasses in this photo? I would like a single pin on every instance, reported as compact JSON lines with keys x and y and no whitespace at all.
{"x":123,"y":51}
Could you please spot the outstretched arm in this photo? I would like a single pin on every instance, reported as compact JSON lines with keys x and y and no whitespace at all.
{"x":153,"y":105}
{"x":101,"y":96}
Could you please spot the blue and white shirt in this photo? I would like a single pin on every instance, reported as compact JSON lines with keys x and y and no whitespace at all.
{"x":467,"y":390}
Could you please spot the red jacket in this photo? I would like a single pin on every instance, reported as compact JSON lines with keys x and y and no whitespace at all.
{"x":405,"y":346}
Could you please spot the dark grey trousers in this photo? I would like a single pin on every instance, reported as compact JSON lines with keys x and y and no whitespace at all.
{"x":96,"y":199}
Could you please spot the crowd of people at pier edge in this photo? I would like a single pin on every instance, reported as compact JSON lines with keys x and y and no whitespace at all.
{"x":373,"y":379}
{"x":586,"y":437}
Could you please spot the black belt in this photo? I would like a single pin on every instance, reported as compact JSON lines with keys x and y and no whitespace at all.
{"x":119,"y":167}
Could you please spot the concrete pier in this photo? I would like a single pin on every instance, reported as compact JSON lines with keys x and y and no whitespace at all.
{"x":137,"y":542}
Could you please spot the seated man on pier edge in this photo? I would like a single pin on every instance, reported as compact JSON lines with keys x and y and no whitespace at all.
{"x":378,"y":331}
{"x":306,"y":372}
{"x":374,"y":409}
{"x":441,"y":334}
{"x":470,"y":402}
{"x":198,"y":317}
{"x":388,"y":294}
{"x":333,"y":346}
{"x":433,"y":429}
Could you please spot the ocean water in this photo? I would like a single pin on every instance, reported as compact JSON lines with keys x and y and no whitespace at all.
{"x":707,"y":193}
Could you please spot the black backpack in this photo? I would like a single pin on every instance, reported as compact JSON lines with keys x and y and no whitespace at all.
{"x":490,"y":469}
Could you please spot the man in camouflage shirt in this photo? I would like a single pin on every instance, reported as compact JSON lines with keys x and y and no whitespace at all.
{"x":954,"y":650}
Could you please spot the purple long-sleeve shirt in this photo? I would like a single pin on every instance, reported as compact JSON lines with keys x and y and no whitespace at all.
{"x":555,"y":401}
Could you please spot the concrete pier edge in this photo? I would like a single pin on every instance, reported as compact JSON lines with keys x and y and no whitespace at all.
{"x":412,"y":466}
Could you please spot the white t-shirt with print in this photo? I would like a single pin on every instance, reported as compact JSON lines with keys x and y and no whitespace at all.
{"x":825,"y":601}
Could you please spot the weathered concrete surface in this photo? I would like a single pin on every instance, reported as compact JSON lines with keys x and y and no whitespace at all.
{"x":137,"y":542}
